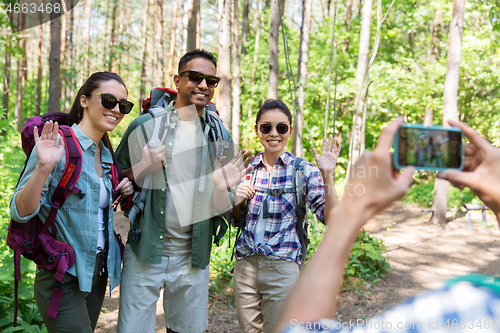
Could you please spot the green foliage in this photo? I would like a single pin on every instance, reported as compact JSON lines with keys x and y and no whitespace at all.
{"x":221,"y":263}
{"x":421,"y":193}
{"x":12,"y":160}
{"x":366,"y":260}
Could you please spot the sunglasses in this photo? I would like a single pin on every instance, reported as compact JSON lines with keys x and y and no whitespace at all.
{"x":280,"y":128}
{"x":109,"y":102}
{"x":197,"y":78}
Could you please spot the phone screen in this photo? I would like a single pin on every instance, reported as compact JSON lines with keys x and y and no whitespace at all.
{"x":432,"y":148}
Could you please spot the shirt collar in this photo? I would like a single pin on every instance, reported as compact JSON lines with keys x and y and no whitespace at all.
{"x":285,"y":159}
{"x":86,"y":143}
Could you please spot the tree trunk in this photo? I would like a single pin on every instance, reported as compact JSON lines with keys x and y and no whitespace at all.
{"x":55,"y":65}
{"x":21,"y":74}
{"x":364,"y":41}
{"x":6,"y":79}
{"x":198,"y":24}
{"x":193,"y":11}
{"x":127,"y":35}
{"x":273,"y":50}
{"x":89,"y":6}
{"x":255,"y":56}
{"x":121,"y":35}
{"x":69,"y":61}
{"x":112,"y":42}
{"x":450,"y":107}
{"x":171,"y":51}
{"x":160,"y":76}
{"x":326,"y":8}
{"x":181,"y":31}
{"x":244,"y":25}
{"x":433,"y":56}
{"x":236,"y":73}
{"x":144,"y":51}
{"x":348,"y":19}
{"x":305,"y":32}
{"x":224,"y":52}
{"x":38,"y":103}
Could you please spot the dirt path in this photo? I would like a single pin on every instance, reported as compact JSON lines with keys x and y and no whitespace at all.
{"x":422,"y":256}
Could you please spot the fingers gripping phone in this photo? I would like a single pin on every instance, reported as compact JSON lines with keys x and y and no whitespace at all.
{"x":432,"y":148}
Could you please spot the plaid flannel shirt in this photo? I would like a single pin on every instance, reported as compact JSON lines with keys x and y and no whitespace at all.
{"x":280,"y":238}
{"x":461,"y":307}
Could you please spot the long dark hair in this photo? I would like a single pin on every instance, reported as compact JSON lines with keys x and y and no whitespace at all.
{"x":76,"y":113}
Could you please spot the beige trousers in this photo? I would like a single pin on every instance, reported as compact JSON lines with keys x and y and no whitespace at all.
{"x":261,"y":286}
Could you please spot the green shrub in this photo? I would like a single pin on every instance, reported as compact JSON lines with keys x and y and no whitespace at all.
{"x":12,"y":161}
{"x":366,"y":259}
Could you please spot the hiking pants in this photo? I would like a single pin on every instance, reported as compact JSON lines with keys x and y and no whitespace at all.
{"x":78,"y":311}
{"x":261,"y":286}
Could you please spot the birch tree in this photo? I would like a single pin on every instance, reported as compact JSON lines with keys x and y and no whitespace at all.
{"x":224,"y":62}
{"x":273,"y":50}
{"x":450,"y":96}
{"x":305,"y":32}
{"x":236,"y":73}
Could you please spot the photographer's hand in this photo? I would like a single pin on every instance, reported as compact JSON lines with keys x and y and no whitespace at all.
{"x":481,"y":169}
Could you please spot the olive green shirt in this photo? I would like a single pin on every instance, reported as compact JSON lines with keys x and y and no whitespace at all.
{"x":149,"y":248}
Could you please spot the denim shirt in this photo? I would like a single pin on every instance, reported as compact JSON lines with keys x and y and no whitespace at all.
{"x":77,"y":222}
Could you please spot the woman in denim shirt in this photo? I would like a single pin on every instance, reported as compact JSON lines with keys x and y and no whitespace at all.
{"x":84,"y":223}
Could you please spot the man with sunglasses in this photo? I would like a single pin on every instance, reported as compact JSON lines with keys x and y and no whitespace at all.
{"x":173,"y":250}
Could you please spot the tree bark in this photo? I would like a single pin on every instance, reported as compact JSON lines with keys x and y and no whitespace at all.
{"x":244,"y":25}
{"x":198,"y":24}
{"x":450,"y":106}
{"x":326,"y":8}
{"x":69,"y":61}
{"x":305,"y":32}
{"x":144,"y":51}
{"x":273,"y":50}
{"x":121,"y":35}
{"x":21,"y":74}
{"x":258,"y":21}
{"x":89,"y":6}
{"x":191,"y":28}
{"x":433,"y":56}
{"x":112,"y":43}
{"x":224,"y":52}
{"x":364,"y":46}
{"x":55,"y":65}
{"x":6,"y":79}
{"x":127,"y":35}
{"x":236,"y":74}
{"x":160,"y":76}
{"x":348,"y":19}
{"x":181,"y":31}
{"x":171,"y":51}
{"x":40,"y":69}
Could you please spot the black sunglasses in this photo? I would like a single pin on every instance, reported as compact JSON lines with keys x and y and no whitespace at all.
{"x":280,"y":128}
{"x":109,"y":102}
{"x":197,"y":78}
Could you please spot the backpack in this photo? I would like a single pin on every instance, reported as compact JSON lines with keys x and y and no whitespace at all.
{"x":33,"y":239}
{"x":298,"y":190}
{"x":156,"y":105}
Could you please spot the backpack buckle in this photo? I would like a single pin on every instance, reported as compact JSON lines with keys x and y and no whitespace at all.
{"x":27,"y":244}
{"x":300,"y":211}
{"x":276,"y":191}
{"x":136,"y":235}
{"x":58,"y":285}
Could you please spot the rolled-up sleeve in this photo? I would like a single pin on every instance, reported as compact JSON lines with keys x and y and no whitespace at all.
{"x":28,"y":173}
{"x":315,"y":192}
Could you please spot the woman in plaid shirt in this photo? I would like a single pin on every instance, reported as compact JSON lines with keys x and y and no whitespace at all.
{"x":269,"y":251}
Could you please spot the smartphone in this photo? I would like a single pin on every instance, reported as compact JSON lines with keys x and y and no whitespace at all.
{"x":432,"y":148}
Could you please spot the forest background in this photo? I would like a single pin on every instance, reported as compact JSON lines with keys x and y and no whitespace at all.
{"x":406,"y":57}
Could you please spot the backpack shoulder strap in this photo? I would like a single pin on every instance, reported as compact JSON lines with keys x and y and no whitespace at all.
{"x":299,"y":199}
{"x":69,"y":177}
